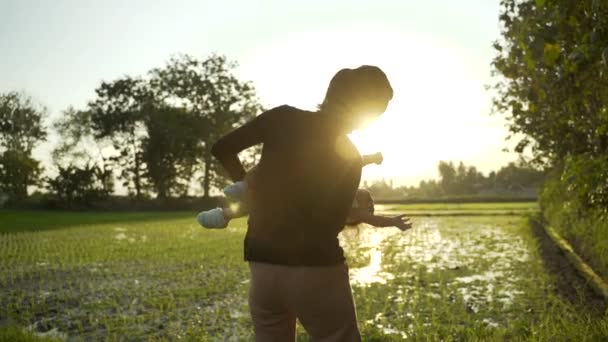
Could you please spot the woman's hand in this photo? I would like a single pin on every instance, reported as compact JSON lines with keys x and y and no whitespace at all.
{"x":402,"y":222}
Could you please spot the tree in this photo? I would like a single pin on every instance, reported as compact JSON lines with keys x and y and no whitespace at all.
{"x":473,"y":180}
{"x":75,"y":185}
{"x":21,"y":126}
{"x":428,"y":189}
{"x":384,"y":189}
{"x":118,"y":114}
{"x":209,"y":90}
{"x":21,"y":129}
{"x":77,"y":142}
{"x":461,"y":180}
{"x":447,"y":175}
{"x":18,"y":170}
{"x":553,"y":60}
{"x":163,"y":126}
{"x":519,"y":175}
{"x":79,"y":160}
{"x":171,"y":149}
{"x":553,"y":63}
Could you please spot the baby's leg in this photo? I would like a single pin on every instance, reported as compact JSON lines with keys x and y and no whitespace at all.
{"x":214,"y":218}
{"x":236,"y":191}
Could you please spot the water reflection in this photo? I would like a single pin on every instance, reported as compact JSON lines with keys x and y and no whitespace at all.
{"x":456,"y":261}
{"x":372,"y":239}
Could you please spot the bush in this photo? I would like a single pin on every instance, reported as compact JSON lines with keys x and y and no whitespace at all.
{"x":40,"y":201}
{"x":587,"y":181}
{"x":574,"y":201}
{"x":80,"y":187}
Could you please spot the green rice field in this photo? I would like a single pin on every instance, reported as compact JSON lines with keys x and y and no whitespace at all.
{"x":160,"y":277}
{"x":463,"y":209}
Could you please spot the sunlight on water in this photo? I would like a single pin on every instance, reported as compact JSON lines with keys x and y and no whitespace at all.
{"x":488,"y":276}
{"x":432,"y":246}
{"x":381,"y":322}
{"x":370,"y":238}
{"x":371,"y":273}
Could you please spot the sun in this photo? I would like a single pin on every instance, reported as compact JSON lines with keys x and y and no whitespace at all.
{"x":439,"y":107}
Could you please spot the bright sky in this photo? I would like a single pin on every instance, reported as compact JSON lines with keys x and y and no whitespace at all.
{"x":437,"y":54}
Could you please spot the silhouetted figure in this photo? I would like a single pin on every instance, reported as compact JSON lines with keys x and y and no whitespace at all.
{"x":305,"y":185}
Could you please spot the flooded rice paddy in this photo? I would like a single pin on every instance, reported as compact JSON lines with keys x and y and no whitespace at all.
{"x":450,"y":278}
{"x":469,"y":271}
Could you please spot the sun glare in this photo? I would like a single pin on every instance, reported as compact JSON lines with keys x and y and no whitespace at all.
{"x":439,"y":111}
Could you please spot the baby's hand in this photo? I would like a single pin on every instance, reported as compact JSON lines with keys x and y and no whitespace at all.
{"x":377,"y":158}
{"x":402,"y":222}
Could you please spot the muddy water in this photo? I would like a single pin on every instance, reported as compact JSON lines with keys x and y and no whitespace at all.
{"x":475,"y":262}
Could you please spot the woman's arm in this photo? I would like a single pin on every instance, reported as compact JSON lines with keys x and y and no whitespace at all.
{"x":254,"y":132}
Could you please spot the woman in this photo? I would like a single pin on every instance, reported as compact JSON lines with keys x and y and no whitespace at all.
{"x":306,"y":181}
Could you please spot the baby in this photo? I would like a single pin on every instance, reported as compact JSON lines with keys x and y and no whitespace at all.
{"x":362,"y":210}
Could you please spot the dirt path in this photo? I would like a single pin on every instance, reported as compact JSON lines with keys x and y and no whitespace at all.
{"x":570,"y":285}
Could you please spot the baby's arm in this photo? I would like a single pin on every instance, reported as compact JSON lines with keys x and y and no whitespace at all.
{"x":375,"y":158}
{"x":362,"y":215}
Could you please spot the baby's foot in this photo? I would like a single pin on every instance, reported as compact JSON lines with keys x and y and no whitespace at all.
{"x":213,"y":218}
{"x":236,"y":191}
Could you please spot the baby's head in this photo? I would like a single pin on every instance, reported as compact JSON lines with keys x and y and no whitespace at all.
{"x":363,"y":200}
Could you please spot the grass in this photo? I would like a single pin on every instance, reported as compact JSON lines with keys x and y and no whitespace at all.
{"x":26,"y":221}
{"x":585,"y":229}
{"x":577,"y":213}
{"x":468,"y":206}
{"x":475,"y":278}
{"x":461,"y":209}
{"x":158,"y":276}
{"x":15,"y":334}
{"x":144,"y":279}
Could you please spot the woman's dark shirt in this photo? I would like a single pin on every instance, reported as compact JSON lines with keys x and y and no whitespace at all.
{"x":304,"y":187}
